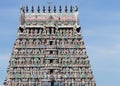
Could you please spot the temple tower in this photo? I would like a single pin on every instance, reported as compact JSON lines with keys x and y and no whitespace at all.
{"x":49,"y":50}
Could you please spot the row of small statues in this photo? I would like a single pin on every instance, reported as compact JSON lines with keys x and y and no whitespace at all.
{"x":33,"y":71}
{"x":49,"y":47}
{"x":39,"y":69}
{"x":37,"y":51}
{"x":32,"y":82}
{"x":47,"y":76}
{"x":29,"y":21}
{"x":47,"y":31}
{"x":38,"y":42}
{"x":37,"y":62}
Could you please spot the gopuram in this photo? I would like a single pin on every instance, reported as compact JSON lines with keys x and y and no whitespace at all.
{"x":49,"y":50}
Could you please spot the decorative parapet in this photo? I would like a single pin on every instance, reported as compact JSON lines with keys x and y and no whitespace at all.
{"x":49,"y":17}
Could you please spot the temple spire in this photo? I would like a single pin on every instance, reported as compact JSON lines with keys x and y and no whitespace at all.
{"x":49,"y":9}
{"x":38,"y":10}
{"x":32,"y":10}
{"x":60,"y":9}
{"x":71,"y":9}
{"x":66,"y":9}
{"x":27,"y":9}
{"x":76,"y":9}
{"x":22,"y":15}
{"x":43,"y":9}
{"x":22,"y":10}
{"x":54,"y":9}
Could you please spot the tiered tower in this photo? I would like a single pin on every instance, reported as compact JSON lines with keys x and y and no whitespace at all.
{"x":49,"y":50}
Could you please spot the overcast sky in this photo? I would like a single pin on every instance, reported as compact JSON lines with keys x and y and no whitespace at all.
{"x":100,"y":22}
